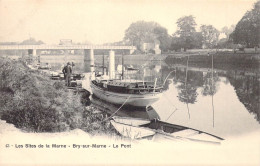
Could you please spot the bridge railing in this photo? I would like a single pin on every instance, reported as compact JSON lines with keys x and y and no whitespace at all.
{"x":49,"y":47}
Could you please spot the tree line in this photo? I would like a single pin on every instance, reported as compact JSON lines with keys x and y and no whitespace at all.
{"x":245,"y":33}
{"x":30,"y":41}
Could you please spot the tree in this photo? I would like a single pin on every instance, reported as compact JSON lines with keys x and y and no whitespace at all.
{"x":162,"y":35}
{"x":197,"y":40}
{"x":209,"y":35}
{"x":31,"y":41}
{"x":179,"y":42}
{"x":247,"y":31}
{"x":176,"y":43}
{"x":142,"y":31}
{"x":228,"y":30}
{"x":186,"y":29}
{"x":225,"y":43}
{"x":8,"y":43}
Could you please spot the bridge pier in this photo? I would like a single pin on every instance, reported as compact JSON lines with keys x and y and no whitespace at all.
{"x":89,"y":60}
{"x":66,"y":54}
{"x":111,"y":64}
{"x":131,"y":51}
{"x":33,"y":54}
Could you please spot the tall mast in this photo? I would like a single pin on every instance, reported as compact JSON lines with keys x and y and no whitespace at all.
{"x":103,"y":64}
{"x":212,"y":92}
{"x":186,"y":85}
{"x":123,"y":65}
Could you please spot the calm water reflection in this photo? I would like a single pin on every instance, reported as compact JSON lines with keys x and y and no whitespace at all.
{"x":230,"y":109}
{"x":226,"y":98}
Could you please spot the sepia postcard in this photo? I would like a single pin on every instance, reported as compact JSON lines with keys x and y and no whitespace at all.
{"x":120,"y":82}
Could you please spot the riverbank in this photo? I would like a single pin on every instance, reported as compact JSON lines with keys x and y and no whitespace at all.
{"x":63,"y":149}
{"x":229,"y":58}
{"x":34,"y":103}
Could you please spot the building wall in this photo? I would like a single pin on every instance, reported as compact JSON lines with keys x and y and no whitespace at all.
{"x":146,"y":47}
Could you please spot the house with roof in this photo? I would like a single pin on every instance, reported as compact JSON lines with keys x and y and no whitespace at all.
{"x":149,"y":46}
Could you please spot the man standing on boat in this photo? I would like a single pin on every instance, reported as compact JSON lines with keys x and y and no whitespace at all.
{"x":67,"y":71}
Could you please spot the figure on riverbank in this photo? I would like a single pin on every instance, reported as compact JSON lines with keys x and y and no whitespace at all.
{"x":67,"y":71}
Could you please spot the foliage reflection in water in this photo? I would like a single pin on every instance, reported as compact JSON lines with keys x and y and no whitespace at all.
{"x":191,"y":97}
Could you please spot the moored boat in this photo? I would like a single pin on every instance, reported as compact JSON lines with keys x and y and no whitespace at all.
{"x":136,"y":128}
{"x":137,"y":93}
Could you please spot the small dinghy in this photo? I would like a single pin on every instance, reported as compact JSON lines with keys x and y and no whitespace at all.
{"x":136,"y":128}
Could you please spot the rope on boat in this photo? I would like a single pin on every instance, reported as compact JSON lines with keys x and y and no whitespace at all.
{"x":172,"y":105}
{"x":168,"y":76}
{"x":118,"y":108}
{"x":171,"y":114}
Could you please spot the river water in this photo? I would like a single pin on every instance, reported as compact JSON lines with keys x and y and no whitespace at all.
{"x":223,"y":101}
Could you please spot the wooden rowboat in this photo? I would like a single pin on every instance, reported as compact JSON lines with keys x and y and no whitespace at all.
{"x":137,"y":128}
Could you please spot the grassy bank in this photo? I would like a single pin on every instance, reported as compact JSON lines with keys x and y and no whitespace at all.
{"x":34,"y":103}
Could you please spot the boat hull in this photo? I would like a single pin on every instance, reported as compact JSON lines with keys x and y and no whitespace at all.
{"x":138,"y":100}
{"x":136,"y":128}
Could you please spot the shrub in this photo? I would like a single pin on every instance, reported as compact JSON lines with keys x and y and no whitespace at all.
{"x":33,"y":102}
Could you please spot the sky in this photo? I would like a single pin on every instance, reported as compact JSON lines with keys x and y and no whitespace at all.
{"x":103,"y":21}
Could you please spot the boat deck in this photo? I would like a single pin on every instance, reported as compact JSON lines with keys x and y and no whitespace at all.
{"x":126,"y":87}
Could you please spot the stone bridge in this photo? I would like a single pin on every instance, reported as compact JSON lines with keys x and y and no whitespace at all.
{"x":88,"y":51}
